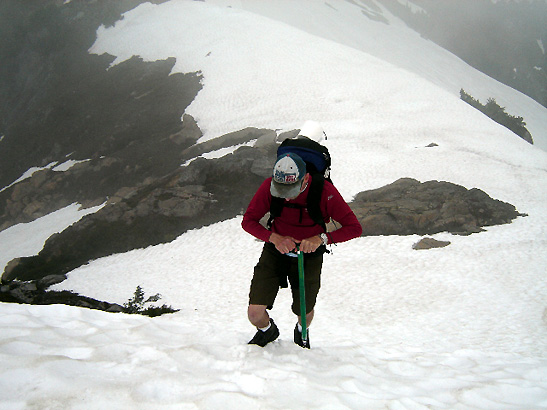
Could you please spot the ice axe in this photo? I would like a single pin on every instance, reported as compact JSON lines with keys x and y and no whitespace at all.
{"x":302,"y":288}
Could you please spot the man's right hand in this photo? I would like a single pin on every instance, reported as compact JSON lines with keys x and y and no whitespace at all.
{"x":283,"y":244}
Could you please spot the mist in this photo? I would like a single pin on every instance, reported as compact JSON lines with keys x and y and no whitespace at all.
{"x":504,"y":39}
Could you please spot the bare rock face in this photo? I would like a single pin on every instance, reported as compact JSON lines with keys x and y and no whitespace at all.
{"x":159,"y":209}
{"x":429,"y":243}
{"x":408,"y":207}
{"x":210,"y":191}
{"x":119,"y":125}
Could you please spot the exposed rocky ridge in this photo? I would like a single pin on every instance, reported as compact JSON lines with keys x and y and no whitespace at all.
{"x":102,"y":179}
{"x":36,"y":293}
{"x":165,"y":209}
{"x":208,"y":191}
{"x":60,"y":102}
{"x":204,"y":192}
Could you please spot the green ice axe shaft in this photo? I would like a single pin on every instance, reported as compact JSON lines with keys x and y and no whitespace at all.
{"x":302,"y":288}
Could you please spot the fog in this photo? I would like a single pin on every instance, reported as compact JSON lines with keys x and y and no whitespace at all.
{"x":502,"y":38}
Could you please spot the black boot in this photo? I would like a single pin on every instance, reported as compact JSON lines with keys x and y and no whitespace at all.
{"x":263,"y":338}
{"x":298,"y":338}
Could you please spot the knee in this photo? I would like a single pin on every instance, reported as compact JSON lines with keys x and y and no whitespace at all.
{"x":257,"y":314}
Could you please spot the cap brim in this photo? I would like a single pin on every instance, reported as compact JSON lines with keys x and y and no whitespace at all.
{"x":285,"y":190}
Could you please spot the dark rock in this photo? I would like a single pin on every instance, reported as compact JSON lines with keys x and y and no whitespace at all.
{"x":28,"y":287}
{"x":408,"y":207}
{"x":31,"y":293}
{"x":64,"y":102}
{"x":201,"y":193}
{"x":22,"y":295}
{"x":115,"y":308}
{"x":50,"y":280}
{"x":34,"y":293}
{"x":429,"y":243}
{"x":9,"y":268}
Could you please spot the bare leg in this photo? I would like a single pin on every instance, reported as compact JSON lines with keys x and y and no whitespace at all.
{"x":309,"y":318}
{"x":258,"y":316}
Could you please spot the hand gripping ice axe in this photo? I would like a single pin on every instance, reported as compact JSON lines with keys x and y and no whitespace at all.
{"x":302,"y":288}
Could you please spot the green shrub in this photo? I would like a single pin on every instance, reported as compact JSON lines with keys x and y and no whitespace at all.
{"x":136,"y":305}
{"x":496,"y":112}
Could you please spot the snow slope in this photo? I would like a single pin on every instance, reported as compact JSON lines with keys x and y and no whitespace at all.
{"x":462,"y":327}
{"x":344,"y":23}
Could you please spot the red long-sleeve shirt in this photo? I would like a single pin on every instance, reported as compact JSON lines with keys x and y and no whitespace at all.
{"x":332,"y":205}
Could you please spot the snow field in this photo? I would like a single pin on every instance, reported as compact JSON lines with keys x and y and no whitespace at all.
{"x":462,"y":327}
{"x":394,"y":326}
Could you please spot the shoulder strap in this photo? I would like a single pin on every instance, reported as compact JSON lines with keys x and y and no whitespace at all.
{"x":314,"y":200}
{"x":276,"y":206}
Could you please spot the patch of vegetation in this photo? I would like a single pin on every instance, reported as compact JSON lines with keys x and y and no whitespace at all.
{"x":137,"y":305}
{"x":496,"y":112}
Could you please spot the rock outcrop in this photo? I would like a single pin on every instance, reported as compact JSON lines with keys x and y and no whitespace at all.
{"x":211,"y":191}
{"x":60,"y":103}
{"x":36,"y":293}
{"x":429,"y":243}
{"x":408,"y":207}
{"x":158,"y":210}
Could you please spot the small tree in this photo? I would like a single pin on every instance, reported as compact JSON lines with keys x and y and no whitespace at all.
{"x":136,"y":305}
{"x":496,"y":112}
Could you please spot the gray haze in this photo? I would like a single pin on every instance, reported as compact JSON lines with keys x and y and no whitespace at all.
{"x":505,"y":39}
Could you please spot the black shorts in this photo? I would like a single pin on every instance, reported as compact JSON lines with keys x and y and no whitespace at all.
{"x":274,"y":269}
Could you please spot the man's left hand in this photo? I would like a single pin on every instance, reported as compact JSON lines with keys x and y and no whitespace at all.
{"x":310,"y":245}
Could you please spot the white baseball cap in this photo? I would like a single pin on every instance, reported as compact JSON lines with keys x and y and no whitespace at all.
{"x":288,"y":172}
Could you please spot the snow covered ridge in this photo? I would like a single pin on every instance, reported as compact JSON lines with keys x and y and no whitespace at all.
{"x":374,"y":123}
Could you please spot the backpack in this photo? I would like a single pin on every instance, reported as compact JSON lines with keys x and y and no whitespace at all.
{"x":318,"y":163}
